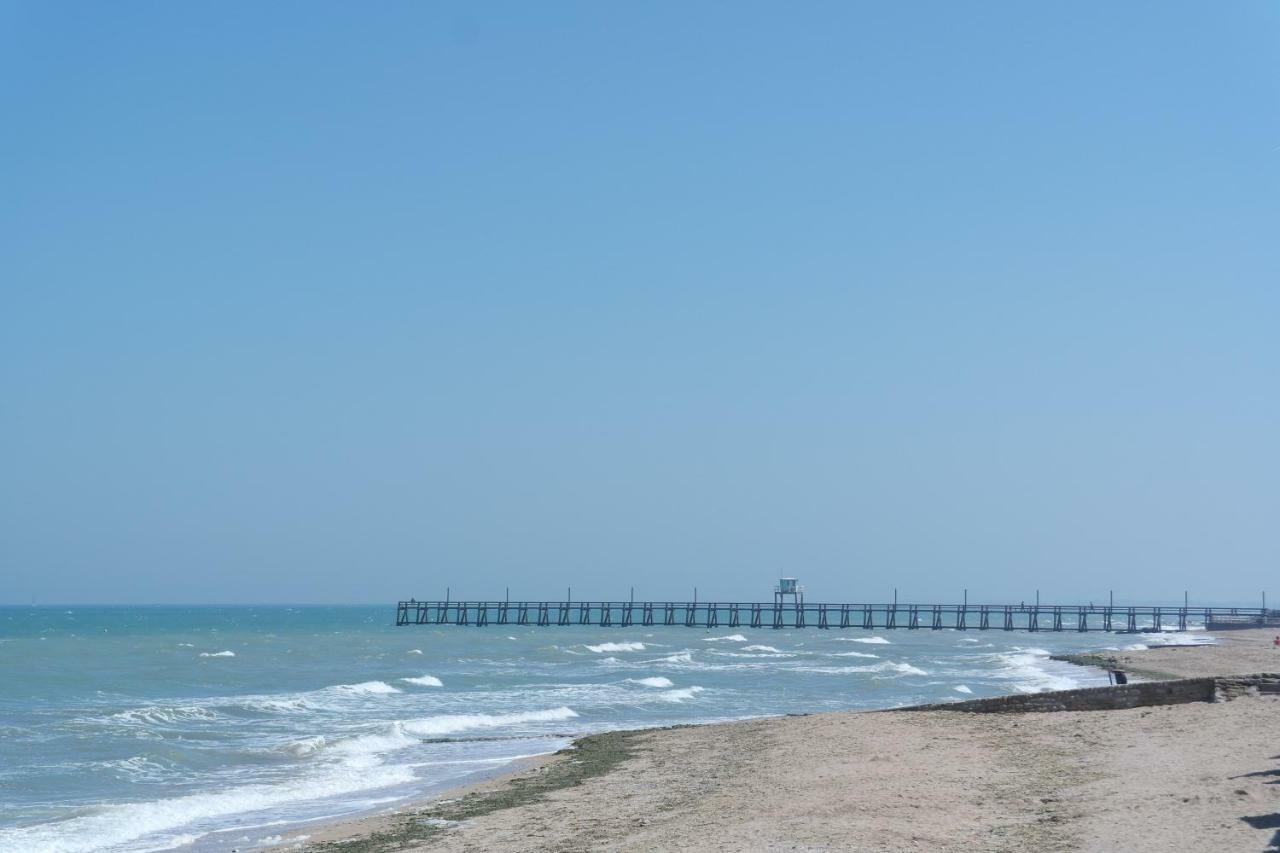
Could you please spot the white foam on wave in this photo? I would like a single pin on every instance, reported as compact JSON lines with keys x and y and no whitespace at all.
{"x":446,"y":724}
{"x":210,"y":709}
{"x":414,"y":652}
{"x":874,"y":641}
{"x":655,"y":681}
{"x":762,"y":649}
{"x":425,"y":681}
{"x":139,"y":768}
{"x":159,"y":715}
{"x":617,"y":647}
{"x":960,"y":688}
{"x":368,"y":688}
{"x":681,"y":694}
{"x":1172,"y":639}
{"x":678,"y":657}
{"x":886,"y":666}
{"x":731,"y":638}
{"x":853,"y":655}
{"x":406,"y":733}
{"x":112,"y":826}
{"x":225,"y":653}
{"x":1029,"y":670}
{"x":272,"y":704}
{"x":391,"y":739}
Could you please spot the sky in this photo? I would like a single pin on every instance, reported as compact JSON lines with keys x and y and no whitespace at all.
{"x":323,"y":302}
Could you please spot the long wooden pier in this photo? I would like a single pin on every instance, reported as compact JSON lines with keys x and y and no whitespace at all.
{"x":704,"y":614}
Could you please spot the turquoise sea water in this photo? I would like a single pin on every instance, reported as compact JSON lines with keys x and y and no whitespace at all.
{"x":213,"y":728}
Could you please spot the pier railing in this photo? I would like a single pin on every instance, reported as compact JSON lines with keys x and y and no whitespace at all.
{"x":711,"y":614}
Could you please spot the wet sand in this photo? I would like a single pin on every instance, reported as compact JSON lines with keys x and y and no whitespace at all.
{"x":1198,"y":776}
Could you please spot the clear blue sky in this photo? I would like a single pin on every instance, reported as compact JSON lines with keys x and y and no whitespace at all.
{"x":347,"y":302}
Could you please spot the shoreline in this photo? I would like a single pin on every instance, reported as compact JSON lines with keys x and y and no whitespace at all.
{"x":974,"y":767}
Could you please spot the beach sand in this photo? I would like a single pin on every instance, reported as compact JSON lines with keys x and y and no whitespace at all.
{"x":1235,"y":653}
{"x":1196,"y":776}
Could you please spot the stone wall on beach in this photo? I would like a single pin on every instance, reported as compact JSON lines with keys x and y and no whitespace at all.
{"x":1116,"y":697}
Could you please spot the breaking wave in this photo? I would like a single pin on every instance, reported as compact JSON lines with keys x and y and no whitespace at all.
{"x":225,"y":653}
{"x":1031,"y":671}
{"x":117,"y":825}
{"x":617,"y":647}
{"x":425,"y":681}
{"x":887,"y":666}
{"x":680,"y":695}
{"x":731,"y":638}
{"x":656,"y":681}
{"x":368,"y":688}
{"x":447,"y":724}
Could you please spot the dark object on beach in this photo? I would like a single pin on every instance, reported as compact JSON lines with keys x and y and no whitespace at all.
{"x":1117,"y":676}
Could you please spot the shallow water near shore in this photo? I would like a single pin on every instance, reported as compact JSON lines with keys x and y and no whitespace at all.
{"x":130,"y":729}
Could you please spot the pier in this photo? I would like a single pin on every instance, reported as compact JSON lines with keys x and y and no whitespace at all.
{"x":800,"y":614}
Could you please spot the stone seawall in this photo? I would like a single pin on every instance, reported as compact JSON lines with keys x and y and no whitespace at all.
{"x":1116,"y":697}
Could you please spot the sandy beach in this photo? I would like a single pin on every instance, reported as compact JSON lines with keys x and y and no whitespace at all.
{"x":1199,"y":776}
{"x":1234,"y":653}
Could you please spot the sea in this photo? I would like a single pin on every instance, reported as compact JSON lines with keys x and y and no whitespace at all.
{"x":133,"y":729}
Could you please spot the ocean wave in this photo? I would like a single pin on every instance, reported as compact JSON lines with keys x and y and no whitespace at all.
{"x":161,"y":715}
{"x":761,"y":649}
{"x":207,"y":710}
{"x":853,"y":655}
{"x":731,"y":638}
{"x":117,"y":825}
{"x":446,"y":724}
{"x":287,"y":704}
{"x":1154,"y":641}
{"x":680,"y":694}
{"x":425,"y":681}
{"x":140,"y":769}
{"x":875,"y":641}
{"x":960,"y":688}
{"x":678,"y":657}
{"x":616,"y":647}
{"x":886,"y":666}
{"x":414,"y":652}
{"x":1029,"y":670}
{"x":367,"y":688}
{"x":225,"y":653}
{"x":392,"y":739}
{"x":304,"y":746}
{"x":655,"y":681}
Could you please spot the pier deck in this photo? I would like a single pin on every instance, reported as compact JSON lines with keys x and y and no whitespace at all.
{"x":700,"y":614}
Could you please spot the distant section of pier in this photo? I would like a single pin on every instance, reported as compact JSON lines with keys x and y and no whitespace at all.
{"x":801,"y":614}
